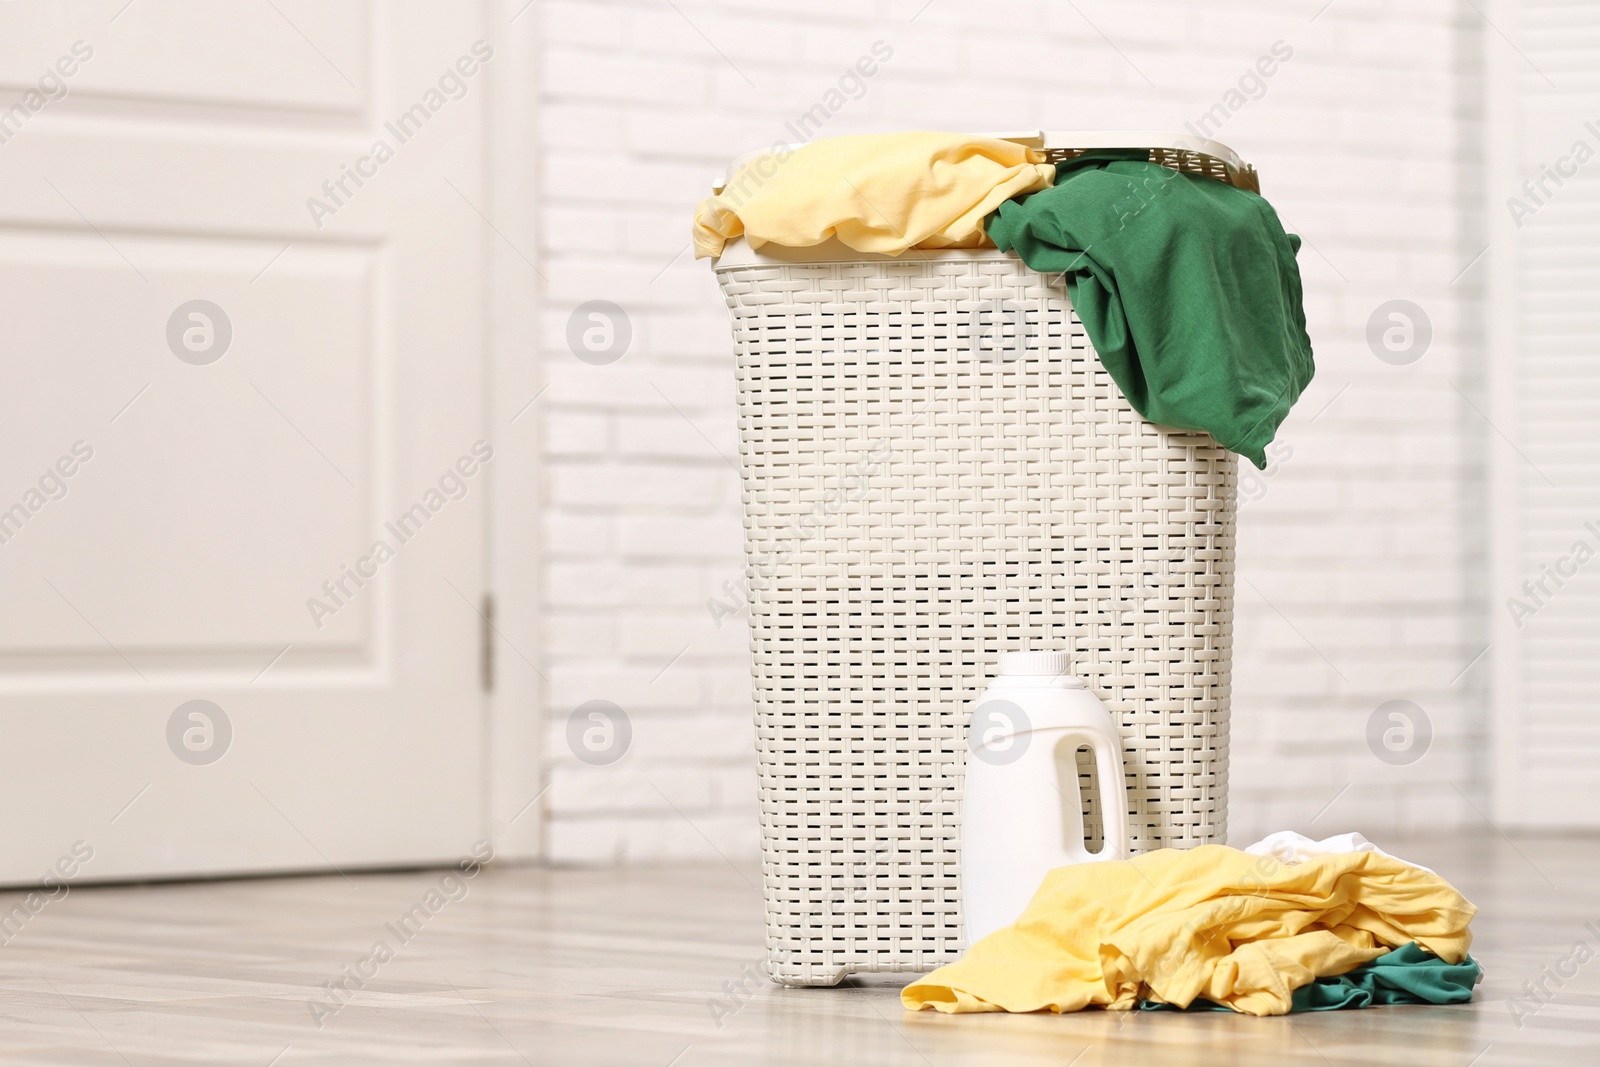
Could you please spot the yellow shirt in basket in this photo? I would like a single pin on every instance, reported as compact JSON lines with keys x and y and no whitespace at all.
{"x":882,"y":193}
{"x":1212,"y":922}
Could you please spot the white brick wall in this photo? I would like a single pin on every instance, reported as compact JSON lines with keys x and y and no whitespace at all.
{"x":1359,"y":567}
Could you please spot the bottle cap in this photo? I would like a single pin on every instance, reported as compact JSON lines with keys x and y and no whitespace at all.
{"x":1037,"y":665}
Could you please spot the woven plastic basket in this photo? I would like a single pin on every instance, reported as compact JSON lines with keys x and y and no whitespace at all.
{"x":938,"y":469}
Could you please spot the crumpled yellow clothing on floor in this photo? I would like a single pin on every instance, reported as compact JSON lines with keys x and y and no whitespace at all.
{"x":882,"y":193}
{"x":1212,"y":922}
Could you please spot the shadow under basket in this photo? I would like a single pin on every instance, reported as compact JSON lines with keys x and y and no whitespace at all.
{"x":937,"y":469}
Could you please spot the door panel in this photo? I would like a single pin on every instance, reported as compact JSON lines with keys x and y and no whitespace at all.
{"x":1544,"y":395}
{"x":185,"y":437}
{"x":306,"y":54}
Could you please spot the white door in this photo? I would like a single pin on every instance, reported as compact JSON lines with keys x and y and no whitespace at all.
{"x":243,"y":451}
{"x":1544,"y":397}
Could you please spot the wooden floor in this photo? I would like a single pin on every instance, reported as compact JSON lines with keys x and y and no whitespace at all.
{"x":564,"y":967}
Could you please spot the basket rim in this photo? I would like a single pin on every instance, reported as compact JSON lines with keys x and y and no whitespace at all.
{"x":1239,"y":172}
{"x":738,"y":253}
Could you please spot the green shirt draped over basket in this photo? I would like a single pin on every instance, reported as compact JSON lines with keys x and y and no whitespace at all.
{"x":1187,"y":287}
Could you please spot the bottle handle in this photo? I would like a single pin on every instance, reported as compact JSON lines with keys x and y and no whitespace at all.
{"x":1113,"y":798}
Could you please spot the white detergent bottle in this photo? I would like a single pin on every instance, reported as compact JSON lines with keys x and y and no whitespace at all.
{"x":1023,"y":814}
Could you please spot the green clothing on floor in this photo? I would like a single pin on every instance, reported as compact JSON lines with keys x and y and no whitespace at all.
{"x":1188,"y":289}
{"x":1408,"y":975}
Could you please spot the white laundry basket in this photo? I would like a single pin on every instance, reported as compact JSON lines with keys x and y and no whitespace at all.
{"x":938,"y":469}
